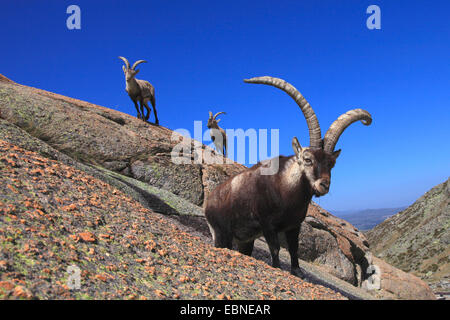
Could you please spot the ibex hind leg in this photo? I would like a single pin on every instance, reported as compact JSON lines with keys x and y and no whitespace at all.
{"x":292,"y":242}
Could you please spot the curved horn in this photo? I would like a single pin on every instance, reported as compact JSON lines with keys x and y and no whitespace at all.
{"x":340,"y":124}
{"x":127,"y":64}
{"x":315,"y":136}
{"x":218,"y":114}
{"x":136,"y":63}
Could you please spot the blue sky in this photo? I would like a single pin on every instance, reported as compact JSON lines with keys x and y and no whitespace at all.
{"x":198,"y":52}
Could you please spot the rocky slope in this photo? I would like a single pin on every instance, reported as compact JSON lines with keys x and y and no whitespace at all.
{"x":417,"y":239}
{"x":135,"y":159}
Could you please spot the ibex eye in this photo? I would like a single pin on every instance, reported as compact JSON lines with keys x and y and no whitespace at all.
{"x":308,"y":161}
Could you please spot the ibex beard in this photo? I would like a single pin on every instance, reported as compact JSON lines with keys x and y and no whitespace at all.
{"x":252,"y":203}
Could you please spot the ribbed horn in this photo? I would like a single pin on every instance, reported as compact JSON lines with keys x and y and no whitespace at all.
{"x":136,"y":63}
{"x":340,"y":124}
{"x":218,"y":113}
{"x":127,"y":64}
{"x":315,"y":136}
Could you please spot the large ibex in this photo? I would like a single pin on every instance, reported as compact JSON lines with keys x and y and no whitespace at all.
{"x":139,"y":90}
{"x":252,"y":204}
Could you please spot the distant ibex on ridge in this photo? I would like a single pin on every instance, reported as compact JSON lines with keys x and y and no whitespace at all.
{"x":216,"y":131}
{"x":252,"y":204}
{"x":139,"y":90}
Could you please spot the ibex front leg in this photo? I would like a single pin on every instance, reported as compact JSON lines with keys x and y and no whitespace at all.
{"x":246,"y":247}
{"x":148,"y":110}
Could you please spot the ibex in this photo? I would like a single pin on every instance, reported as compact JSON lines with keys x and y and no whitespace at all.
{"x":252,"y":204}
{"x":217,"y":132}
{"x":139,"y":90}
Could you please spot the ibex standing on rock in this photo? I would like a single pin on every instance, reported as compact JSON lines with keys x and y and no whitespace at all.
{"x":217,"y":132}
{"x":252,"y":204}
{"x":139,"y":90}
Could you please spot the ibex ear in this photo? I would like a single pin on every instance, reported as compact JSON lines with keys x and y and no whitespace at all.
{"x":124,"y":69}
{"x":336,"y":154}
{"x":296,"y":146}
{"x":136,"y":71}
{"x":218,"y":120}
{"x":210,"y":115}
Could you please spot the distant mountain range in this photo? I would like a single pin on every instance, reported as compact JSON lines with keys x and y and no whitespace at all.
{"x":417,"y":240}
{"x":366,"y":219}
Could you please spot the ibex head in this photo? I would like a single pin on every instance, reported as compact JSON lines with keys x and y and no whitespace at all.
{"x":316,"y":161}
{"x":130,"y":73}
{"x":212,"y":121}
